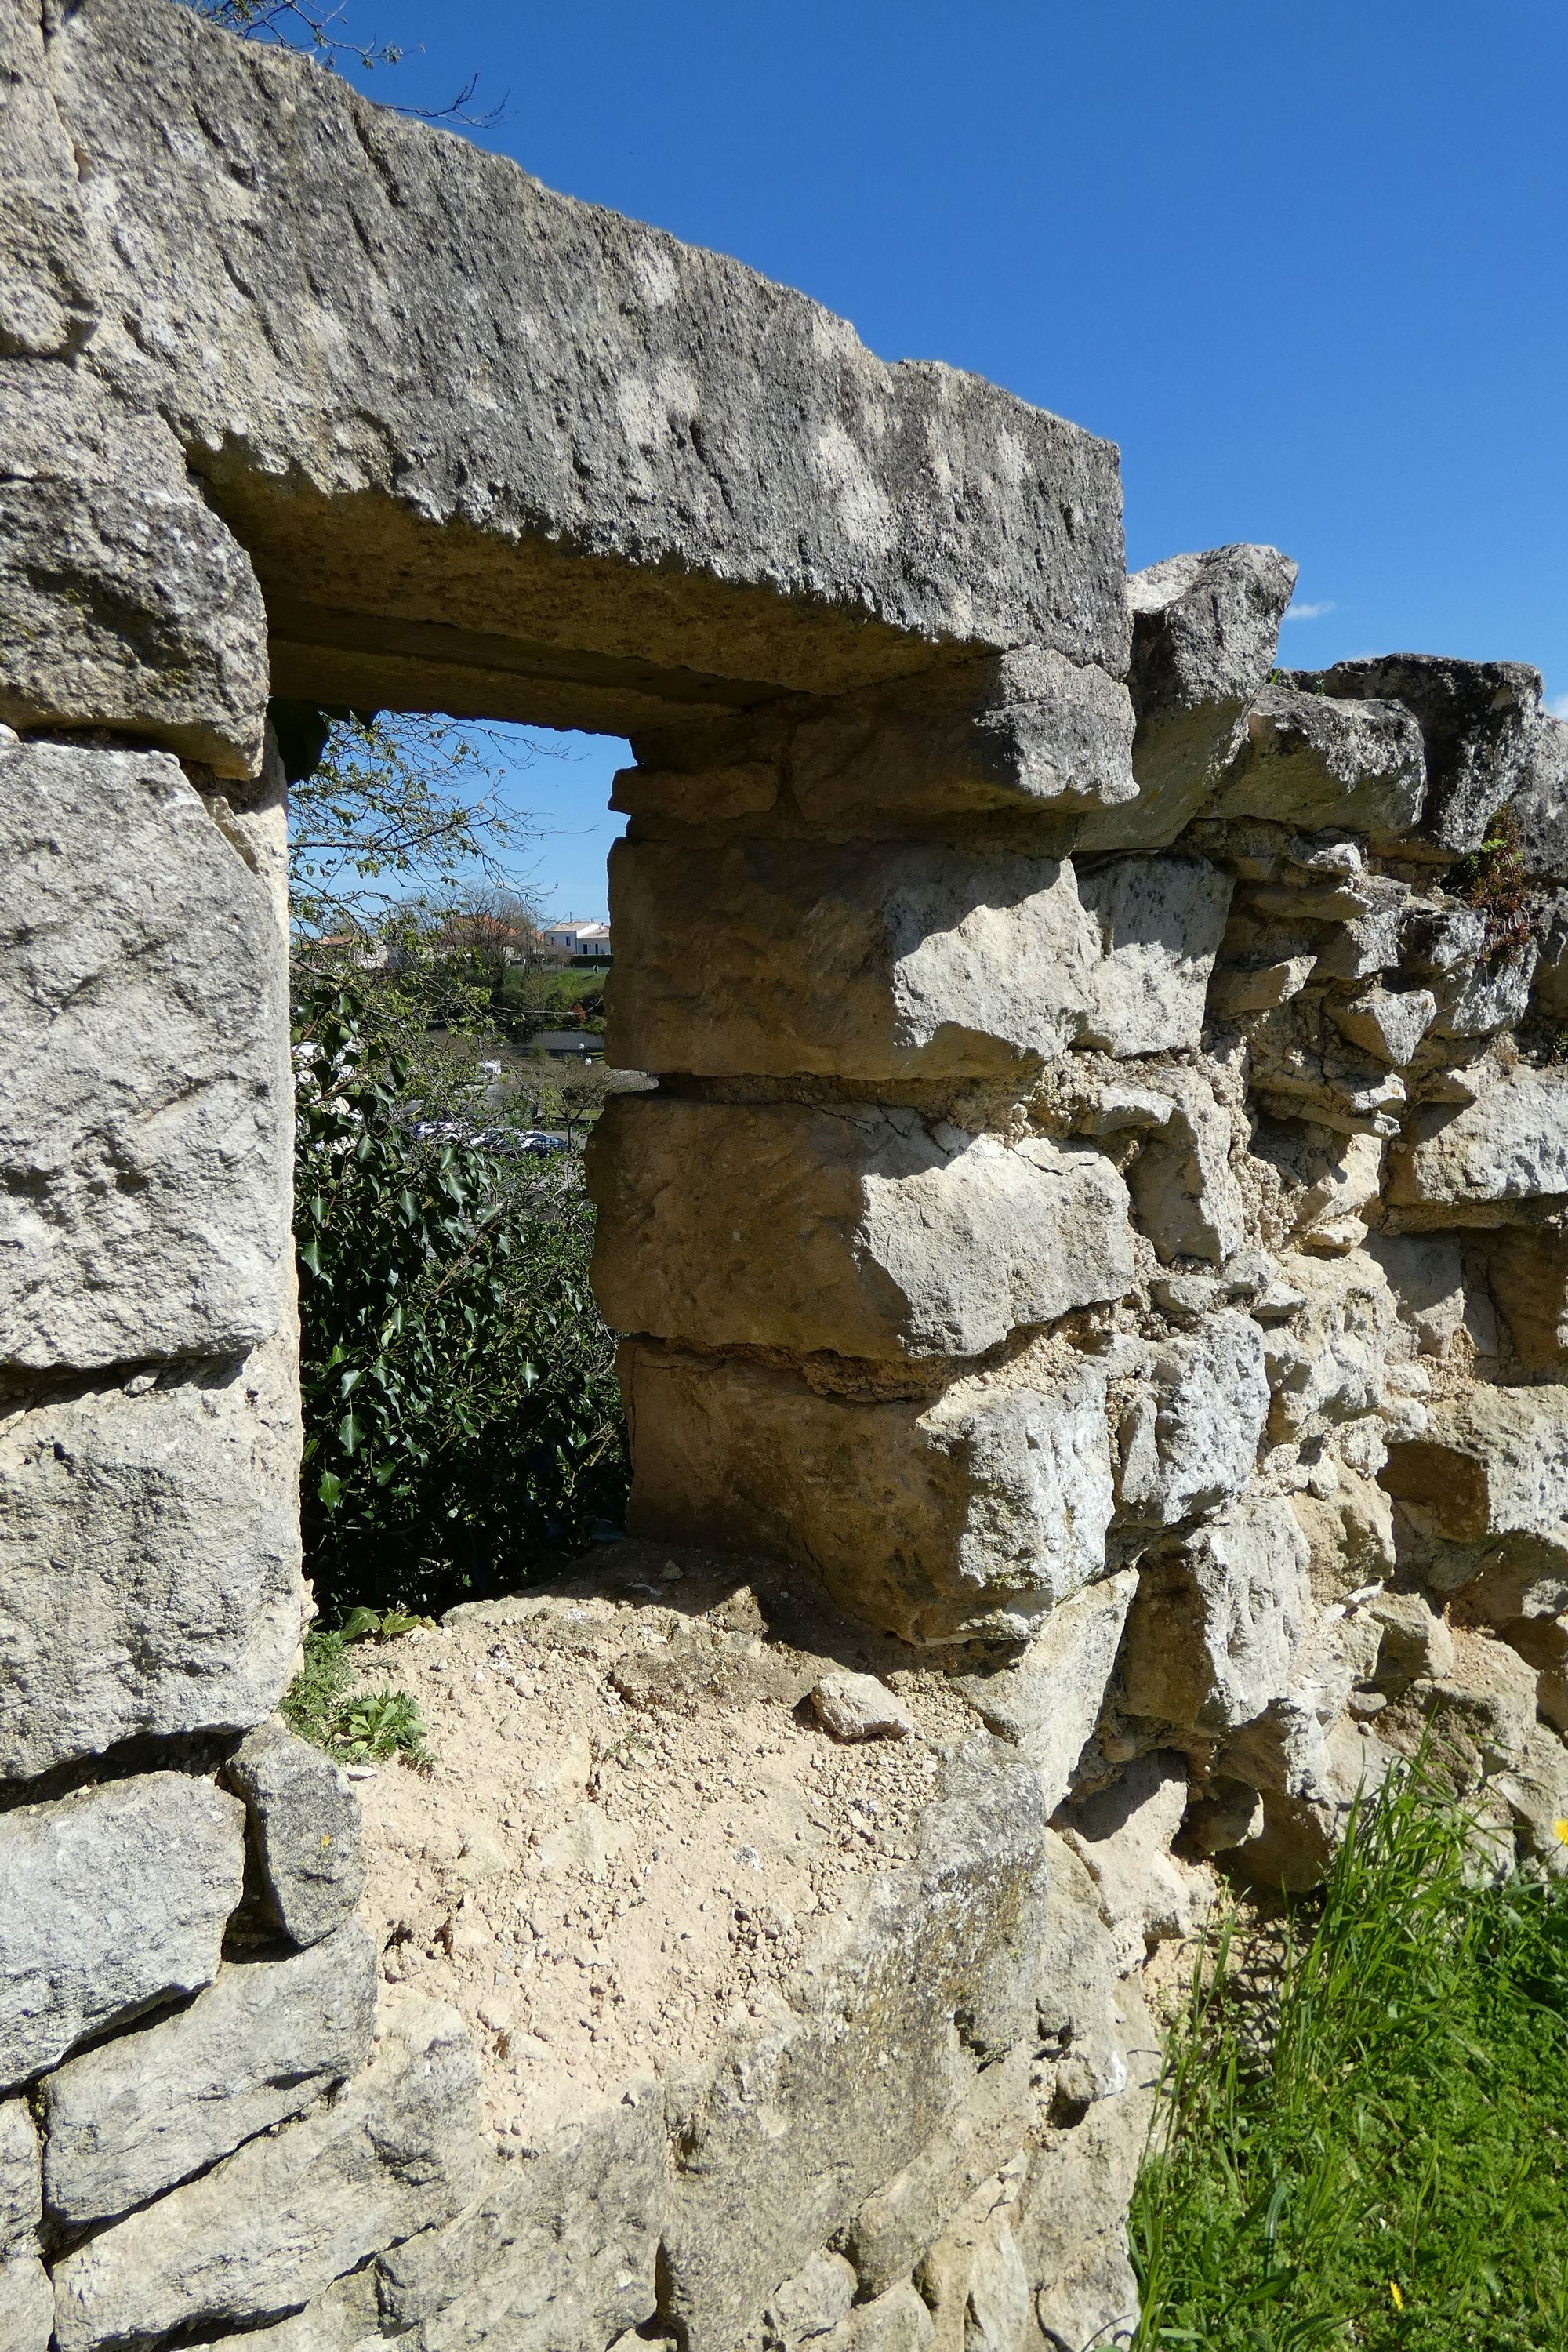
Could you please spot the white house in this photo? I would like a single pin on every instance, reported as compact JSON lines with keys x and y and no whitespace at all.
{"x":579,"y":942}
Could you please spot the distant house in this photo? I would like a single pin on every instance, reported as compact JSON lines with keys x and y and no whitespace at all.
{"x":578,"y":942}
{"x":569,"y":1044}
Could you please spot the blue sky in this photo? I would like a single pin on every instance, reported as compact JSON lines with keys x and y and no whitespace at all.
{"x":1306,"y":264}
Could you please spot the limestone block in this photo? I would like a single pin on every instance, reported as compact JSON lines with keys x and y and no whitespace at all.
{"x":111,"y":1900}
{"x":1327,"y":1366}
{"x":973,"y":2141}
{"x":124,"y":601}
{"x":630,"y":452}
{"x":345,"y":2318}
{"x":974,"y":1514}
{"x":148,"y":1559}
{"x":800,"y":2121}
{"x":305,"y":1822}
{"x":21,"y":2192}
{"x":1386,"y":1023}
{"x":1493,"y":1465}
{"x":555,"y":2255}
{"x":1426,"y":1274}
{"x":861,"y":1231}
{"x":1218,"y":1623}
{"x":275,"y":2224}
{"x":145,"y":1105}
{"x":1190,"y":1437}
{"x":1540,"y":806}
{"x":26,"y":2305}
{"x":897,"y":2321}
{"x":860,"y":1706}
{"x":1123,"y":1834}
{"x":1079,"y":2183}
{"x":1046,"y":1699}
{"x":816,"y":2299}
{"x":1094,"y":2299}
{"x":1527,"y":1272}
{"x":1204,"y":630}
{"x":1413,"y":1640}
{"x":127,"y":2120}
{"x":1478,"y":722}
{"x":893,"y":960}
{"x":1185,"y":1196}
{"x":1239,"y":989}
{"x":1306,"y":760}
{"x":1351,"y":1536}
{"x":1078,"y":1968}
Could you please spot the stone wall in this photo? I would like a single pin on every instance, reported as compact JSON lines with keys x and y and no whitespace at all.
{"x":1099,"y":1220}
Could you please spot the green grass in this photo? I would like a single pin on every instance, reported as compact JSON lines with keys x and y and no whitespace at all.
{"x":1362,"y":2139}
{"x":325,"y":1704}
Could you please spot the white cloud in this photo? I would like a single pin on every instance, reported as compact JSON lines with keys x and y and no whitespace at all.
{"x":1310,"y":612}
{"x":1558,"y":706}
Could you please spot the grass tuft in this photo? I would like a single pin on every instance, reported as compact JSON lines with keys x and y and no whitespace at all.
{"x":324,"y":1705}
{"x":1361,"y":2140}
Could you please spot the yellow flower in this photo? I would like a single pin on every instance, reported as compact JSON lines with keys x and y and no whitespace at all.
{"x":1397,"y":2299}
{"x":1560,"y":1829}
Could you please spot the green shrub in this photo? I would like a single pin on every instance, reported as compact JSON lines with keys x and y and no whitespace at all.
{"x":1363,"y":2136}
{"x":462,"y":1420}
{"x":324,"y":1705}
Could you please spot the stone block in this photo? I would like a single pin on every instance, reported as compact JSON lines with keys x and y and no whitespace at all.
{"x":1046,"y":1699}
{"x":972,"y":1514}
{"x":864,"y":1232}
{"x":1122,"y":1834}
{"x":1204,"y":631}
{"x":1478,"y":723}
{"x":1306,"y":760}
{"x":1184,"y":1193}
{"x":305,"y":1822}
{"x":145,"y":1104}
{"x":1492,"y":1466}
{"x":128,"y":2119}
{"x":148,"y":1559}
{"x":1218,"y":1623}
{"x":801,"y":2120}
{"x":1484,"y":1162}
{"x":896,"y":961}
{"x":21,"y":2190}
{"x":1540,"y":806}
{"x":897,"y":2321}
{"x":1527,"y":1274}
{"x":556,"y":2253}
{"x":125,"y":602}
{"x":973,"y":2141}
{"x":277,"y":2222}
{"x":1388,"y":1023}
{"x":814,"y":2300}
{"x":112,"y":1901}
{"x":26,"y":2305}
{"x":1190,"y":1434}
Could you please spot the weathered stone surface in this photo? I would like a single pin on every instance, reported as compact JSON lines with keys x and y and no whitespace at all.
{"x":1122,"y":1835}
{"x":305,"y":1821}
{"x":1482,"y":1162}
{"x":145,"y":1109}
{"x":21,"y":2193}
{"x":127,"y":2120}
{"x":112,"y":1901}
{"x":1477,"y":721}
{"x":974,"y":1514}
{"x":774,"y":2159}
{"x":556,"y":2253}
{"x":124,"y":601}
{"x":1182,"y":1187}
{"x":1327,"y":1365}
{"x":1306,"y":760}
{"x":1190,"y":1437}
{"x":1492,"y":1465}
{"x":573,"y":468}
{"x":1205,"y":629}
{"x":816,"y":2299}
{"x":1045,"y":1700}
{"x":897,"y":2321}
{"x":1388,"y":1023}
{"x":278,"y":2220}
{"x":1540,"y":806}
{"x":900,"y":961}
{"x":26,"y":2305}
{"x":1426,"y":1273}
{"x":1078,"y":2182}
{"x":149,"y":1561}
{"x":973,"y":2139}
{"x":860,"y":1706}
{"x":866,"y":1232}
{"x":1217,"y":1626}
{"x":1527,"y":1272}
{"x":1092,"y":2301}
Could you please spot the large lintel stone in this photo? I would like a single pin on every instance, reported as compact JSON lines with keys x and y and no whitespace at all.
{"x":112,"y":1901}
{"x":866,"y":1232}
{"x":144,"y":1098}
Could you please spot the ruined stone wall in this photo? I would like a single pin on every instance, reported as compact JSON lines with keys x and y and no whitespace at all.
{"x":1093,"y":1249}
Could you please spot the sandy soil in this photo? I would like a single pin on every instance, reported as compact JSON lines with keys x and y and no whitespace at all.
{"x":634,"y":1823}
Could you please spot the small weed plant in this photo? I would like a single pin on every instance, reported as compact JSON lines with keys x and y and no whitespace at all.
{"x":1363,"y":2135}
{"x":326,"y":1705}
